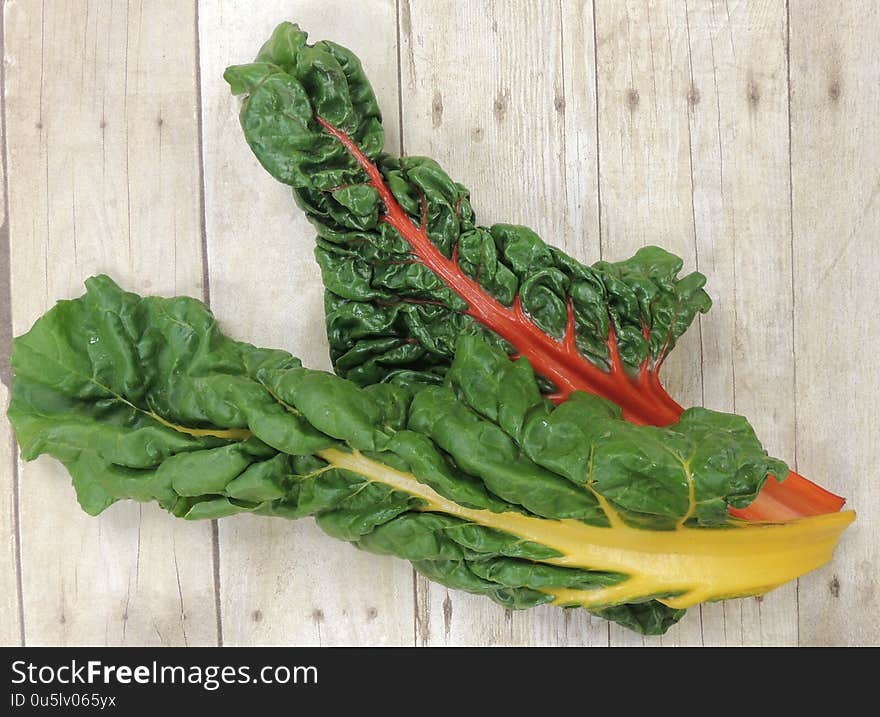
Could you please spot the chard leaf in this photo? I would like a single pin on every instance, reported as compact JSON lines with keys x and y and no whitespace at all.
{"x":408,"y":270}
{"x":482,"y":483}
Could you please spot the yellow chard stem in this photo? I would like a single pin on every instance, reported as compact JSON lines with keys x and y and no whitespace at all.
{"x":694,"y":564}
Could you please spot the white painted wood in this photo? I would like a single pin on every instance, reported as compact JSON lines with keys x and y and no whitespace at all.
{"x":103,"y":177}
{"x":690,"y":151}
{"x":644,"y":159}
{"x":737,"y":104}
{"x":644,"y":175}
{"x":10,"y":604}
{"x":835,"y":100}
{"x":508,"y":109}
{"x":10,"y":623}
{"x":283,"y":582}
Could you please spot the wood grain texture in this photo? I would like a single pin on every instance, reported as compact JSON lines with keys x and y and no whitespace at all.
{"x":103,"y":173}
{"x":644,"y":175}
{"x":835,"y":102}
{"x":603,"y":125}
{"x":10,"y":569}
{"x":693,"y":140}
{"x":519,"y":130}
{"x":737,"y":105}
{"x":283,"y":582}
{"x":10,"y":599}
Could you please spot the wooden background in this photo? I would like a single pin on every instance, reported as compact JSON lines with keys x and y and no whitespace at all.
{"x":741,"y":135}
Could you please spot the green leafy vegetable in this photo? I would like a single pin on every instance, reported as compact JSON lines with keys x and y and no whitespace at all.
{"x":408,"y":270}
{"x":481,"y":482}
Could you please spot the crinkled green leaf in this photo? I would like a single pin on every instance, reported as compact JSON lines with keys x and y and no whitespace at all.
{"x":387,"y":312}
{"x":145,"y":399}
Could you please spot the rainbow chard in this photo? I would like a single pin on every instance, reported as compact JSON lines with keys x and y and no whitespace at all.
{"x":407,"y":269}
{"x":481,"y":482}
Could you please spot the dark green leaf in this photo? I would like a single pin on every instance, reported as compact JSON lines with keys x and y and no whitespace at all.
{"x":145,"y":399}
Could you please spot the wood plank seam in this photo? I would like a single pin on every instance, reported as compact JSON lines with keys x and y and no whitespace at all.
{"x":794,"y":457}
{"x":598,"y":144}
{"x":206,"y":288}
{"x":699,"y":321}
{"x":398,"y":35}
{"x":504,"y":103}
{"x":6,"y":331}
{"x":558,"y":98}
{"x":285,"y":582}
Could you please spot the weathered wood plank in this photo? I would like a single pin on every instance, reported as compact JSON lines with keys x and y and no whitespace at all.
{"x":508,"y":110}
{"x":103,"y":177}
{"x":738,"y":113}
{"x":693,"y":149}
{"x":10,"y":604}
{"x":10,"y":607}
{"x":283,"y":582}
{"x":835,"y":99}
{"x":644,"y":174}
